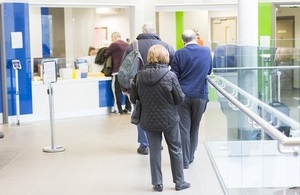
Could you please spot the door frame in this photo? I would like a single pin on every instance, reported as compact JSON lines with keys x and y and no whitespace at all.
{"x":293,"y":26}
{"x":213,"y":45}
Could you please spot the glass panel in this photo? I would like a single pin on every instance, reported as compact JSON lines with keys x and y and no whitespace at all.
{"x":247,"y":159}
{"x":67,"y":33}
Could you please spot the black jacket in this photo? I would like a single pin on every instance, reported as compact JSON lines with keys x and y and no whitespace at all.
{"x":145,"y":41}
{"x":102,"y":60}
{"x":159,"y":91}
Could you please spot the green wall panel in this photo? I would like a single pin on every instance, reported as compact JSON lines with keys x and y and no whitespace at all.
{"x":265,"y":19}
{"x":265,"y":28}
{"x":179,"y":29}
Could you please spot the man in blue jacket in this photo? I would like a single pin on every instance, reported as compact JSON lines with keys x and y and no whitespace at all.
{"x":145,"y":41}
{"x":191,"y":64}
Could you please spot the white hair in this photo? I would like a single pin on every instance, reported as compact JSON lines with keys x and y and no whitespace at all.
{"x":148,"y":27}
{"x":188,"y":36}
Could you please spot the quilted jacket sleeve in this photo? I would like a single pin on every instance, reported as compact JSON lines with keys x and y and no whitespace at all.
{"x":178,"y":95}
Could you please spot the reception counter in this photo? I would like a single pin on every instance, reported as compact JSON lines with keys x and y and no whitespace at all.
{"x":71,"y":98}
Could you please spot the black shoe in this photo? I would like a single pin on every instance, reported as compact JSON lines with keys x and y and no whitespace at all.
{"x":143,"y":150}
{"x":182,"y":186}
{"x":125,"y":111}
{"x":158,"y":187}
{"x":192,"y":160}
{"x":115,"y":113}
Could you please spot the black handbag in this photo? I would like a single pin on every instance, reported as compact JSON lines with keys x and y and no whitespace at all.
{"x":136,"y":114}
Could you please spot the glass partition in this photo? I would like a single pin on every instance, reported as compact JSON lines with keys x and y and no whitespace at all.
{"x":67,"y":33}
{"x":246,"y":158}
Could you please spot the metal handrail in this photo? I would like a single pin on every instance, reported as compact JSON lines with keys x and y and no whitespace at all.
{"x":257,"y":68}
{"x":271,"y":130}
{"x":284,"y":118}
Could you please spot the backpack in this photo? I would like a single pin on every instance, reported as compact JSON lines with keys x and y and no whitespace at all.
{"x":130,"y":66}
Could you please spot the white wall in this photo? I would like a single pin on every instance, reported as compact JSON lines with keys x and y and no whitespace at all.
{"x":115,"y":22}
{"x":35,"y":31}
{"x":167,"y":32}
{"x":192,"y":19}
{"x":83,"y":30}
{"x":200,"y":21}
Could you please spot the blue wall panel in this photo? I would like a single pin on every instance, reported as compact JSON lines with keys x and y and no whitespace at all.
{"x":1,"y":85}
{"x":105,"y":94}
{"x":16,"y":20}
{"x":45,"y":32}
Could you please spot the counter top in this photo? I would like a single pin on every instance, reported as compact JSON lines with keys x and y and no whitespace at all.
{"x":83,"y":80}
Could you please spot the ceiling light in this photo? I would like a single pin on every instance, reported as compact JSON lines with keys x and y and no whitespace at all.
{"x":290,"y":6}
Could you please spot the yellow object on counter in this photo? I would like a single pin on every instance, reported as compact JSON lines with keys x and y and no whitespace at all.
{"x":76,"y":74}
{"x":95,"y":74}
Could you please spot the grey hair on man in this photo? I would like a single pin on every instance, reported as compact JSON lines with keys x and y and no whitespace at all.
{"x":116,"y":34}
{"x":188,"y":36}
{"x":148,"y":27}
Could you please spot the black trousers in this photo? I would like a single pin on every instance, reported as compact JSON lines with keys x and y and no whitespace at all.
{"x":190,"y":112}
{"x":118,"y":95}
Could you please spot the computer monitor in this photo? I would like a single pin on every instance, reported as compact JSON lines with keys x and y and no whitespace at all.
{"x":91,"y":63}
{"x":37,"y":63}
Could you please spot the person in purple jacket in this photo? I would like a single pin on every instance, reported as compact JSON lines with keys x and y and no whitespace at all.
{"x":192,"y":64}
{"x":116,"y":51}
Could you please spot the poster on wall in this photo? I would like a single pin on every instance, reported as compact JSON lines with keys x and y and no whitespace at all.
{"x":16,"y":40}
{"x":101,"y":37}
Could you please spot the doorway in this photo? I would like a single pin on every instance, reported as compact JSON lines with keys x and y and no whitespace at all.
{"x":224,"y":31}
{"x":285,"y":31}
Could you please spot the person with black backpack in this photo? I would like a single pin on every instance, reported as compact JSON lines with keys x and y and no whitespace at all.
{"x":145,"y":40}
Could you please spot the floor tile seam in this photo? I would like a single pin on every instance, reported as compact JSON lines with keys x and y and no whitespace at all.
{"x":93,"y":180}
{"x":13,"y":160}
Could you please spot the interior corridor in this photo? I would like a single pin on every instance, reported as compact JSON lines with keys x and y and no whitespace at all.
{"x":100,"y":158}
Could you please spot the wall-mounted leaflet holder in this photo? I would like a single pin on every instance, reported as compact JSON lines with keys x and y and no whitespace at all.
{"x":16,"y":64}
{"x":49,"y":77}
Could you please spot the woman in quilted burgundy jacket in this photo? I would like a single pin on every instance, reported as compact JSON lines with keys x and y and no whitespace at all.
{"x":159,"y":92}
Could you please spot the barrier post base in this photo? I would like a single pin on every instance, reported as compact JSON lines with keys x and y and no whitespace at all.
{"x":51,"y":149}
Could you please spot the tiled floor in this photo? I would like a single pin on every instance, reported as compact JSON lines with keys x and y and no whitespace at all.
{"x":99,"y":158}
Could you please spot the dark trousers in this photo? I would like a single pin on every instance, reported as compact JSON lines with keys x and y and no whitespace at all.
{"x":172,"y":137}
{"x":190,"y":112}
{"x":119,"y":96}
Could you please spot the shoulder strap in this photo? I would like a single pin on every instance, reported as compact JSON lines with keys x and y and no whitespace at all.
{"x":135,"y":45}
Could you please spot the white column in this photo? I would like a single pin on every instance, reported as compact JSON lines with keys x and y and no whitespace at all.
{"x":143,"y":11}
{"x":248,"y":39}
{"x":248,"y":22}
